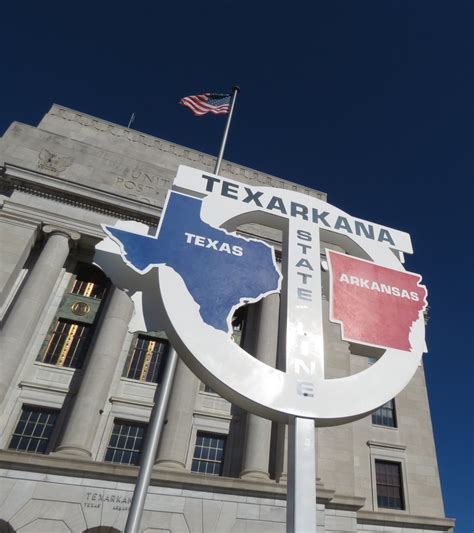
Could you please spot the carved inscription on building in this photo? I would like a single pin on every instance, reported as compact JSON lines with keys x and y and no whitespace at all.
{"x":145,"y":186}
{"x":118,"y":500}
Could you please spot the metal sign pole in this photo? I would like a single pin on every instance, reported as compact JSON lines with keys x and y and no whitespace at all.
{"x":152,"y":439}
{"x":301,"y":496}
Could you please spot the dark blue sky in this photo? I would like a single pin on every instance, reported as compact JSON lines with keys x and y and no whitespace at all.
{"x":370,"y":101}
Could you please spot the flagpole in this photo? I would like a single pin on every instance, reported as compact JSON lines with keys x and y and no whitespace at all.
{"x":235,"y":91}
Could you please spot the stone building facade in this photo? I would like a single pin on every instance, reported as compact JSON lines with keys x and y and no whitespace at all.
{"x":77,"y":387}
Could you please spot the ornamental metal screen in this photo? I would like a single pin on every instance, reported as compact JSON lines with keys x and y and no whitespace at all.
{"x":68,"y":344}
{"x":146,"y":359}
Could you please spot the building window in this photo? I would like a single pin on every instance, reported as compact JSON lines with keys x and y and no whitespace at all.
{"x":208,"y":454}
{"x":72,"y":329}
{"x":146,"y":360}
{"x":238,"y":323}
{"x":90,"y":282}
{"x":126,"y":443}
{"x":68,"y":344}
{"x":385,"y":415}
{"x":33,"y":431}
{"x":389,"y":485}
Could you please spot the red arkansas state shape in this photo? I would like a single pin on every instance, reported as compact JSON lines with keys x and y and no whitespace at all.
{"x":375,"y":305}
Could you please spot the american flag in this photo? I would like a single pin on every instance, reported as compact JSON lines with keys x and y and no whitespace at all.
{"x":200,"y":104}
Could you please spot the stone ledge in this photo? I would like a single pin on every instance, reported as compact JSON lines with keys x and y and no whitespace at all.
{"x":346,"y":503}
{"x":399,"y":519}
{"x":57,"y":388}
{"x":132,"y":401}
{"x":386,"y":445}
{"x":83,"y":468}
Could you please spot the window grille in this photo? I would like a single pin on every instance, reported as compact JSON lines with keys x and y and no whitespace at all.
{"x":389,"y":485}
{"x":90,"y":282}
{"x":146,"y":359}
{"x":33,"y":431}
{"x":208,"y":454}
{"x":68,"y":344}
{"x":385,"y":415}
{"x":126,"y":443}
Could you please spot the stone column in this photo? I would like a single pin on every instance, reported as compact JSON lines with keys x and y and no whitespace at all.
{"x":90,"y":400}
{"x":257,"y":442}
{"x":234,"y":446}
{"x":281,"y":474}
{"x":31,"y":301}
{"x":174,"y":443}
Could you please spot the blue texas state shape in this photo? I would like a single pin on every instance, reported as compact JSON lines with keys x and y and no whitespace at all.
{"x":219,"y":270}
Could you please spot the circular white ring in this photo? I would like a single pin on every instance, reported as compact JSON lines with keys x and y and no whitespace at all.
{"x":271,"y":393}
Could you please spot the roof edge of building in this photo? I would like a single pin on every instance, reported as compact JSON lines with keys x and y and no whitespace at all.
{"x":229,"y":167}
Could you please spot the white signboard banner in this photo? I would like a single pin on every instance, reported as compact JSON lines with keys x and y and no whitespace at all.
{"x":227,"y":199}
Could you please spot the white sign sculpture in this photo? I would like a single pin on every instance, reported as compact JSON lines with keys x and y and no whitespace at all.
{"x":196,"y":271}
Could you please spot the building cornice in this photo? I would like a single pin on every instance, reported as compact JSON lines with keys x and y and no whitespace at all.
{"x":77,"y":195}
{"x":35,"y":217}
{"x":63,"y":191}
